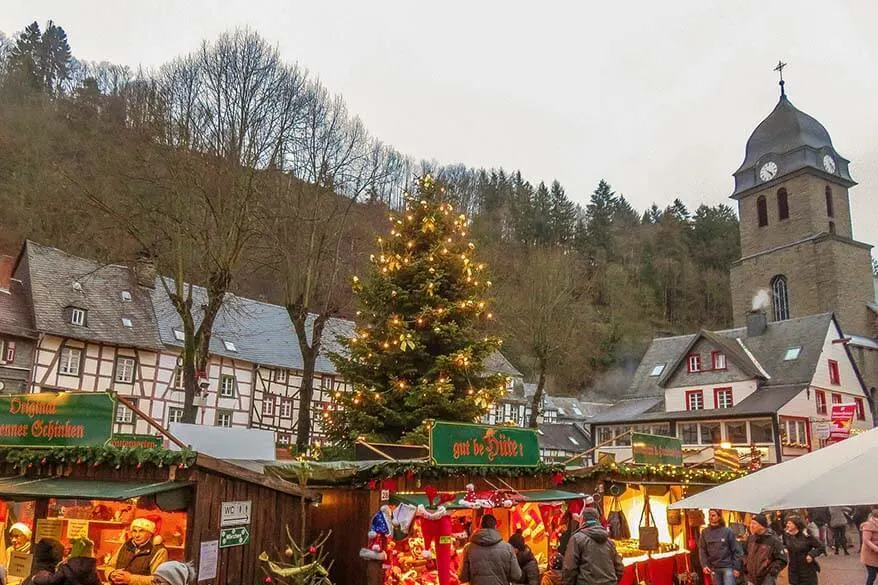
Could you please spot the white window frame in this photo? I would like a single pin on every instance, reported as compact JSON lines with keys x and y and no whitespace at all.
{"x":7,"y":351}
{"x":227,"y":390}
{"x":327,"y":382}
{"x":281,"y":375}
{"x":126,"y":295}
{"x":230,"y":345}
{"x":721,"y":402}
{"x":77,"y":316}
{"x":719,"y":359}
{"x":177,"y":378}
{"x":283,"y":439}
{"x":125,"y":367}
{"x":268,"y":406}
{"x":124,"y":415}
{"x":70,"y":361}
{"x":792,"y":353}
{"x":221,"y":415}
{"x":689,"y":401}
{"x":286,"y":408}
{"x":693,"y":363}
{"x":179,"y":335}
{"x":657,"y":370}
{"x":175,"y":414}
{"x":126,"y":322}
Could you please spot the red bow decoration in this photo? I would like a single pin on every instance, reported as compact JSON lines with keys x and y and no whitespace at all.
{"x":557,"y":478}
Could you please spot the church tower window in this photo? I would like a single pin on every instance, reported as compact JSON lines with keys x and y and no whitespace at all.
{"x":762,"y":210}
{"x":780,"y":298}
{"x":828,"y":193}
{"x":783,"y":206}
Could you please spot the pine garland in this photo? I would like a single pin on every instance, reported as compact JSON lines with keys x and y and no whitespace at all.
{"x":96,"y":456}
{"x":659,"y":473}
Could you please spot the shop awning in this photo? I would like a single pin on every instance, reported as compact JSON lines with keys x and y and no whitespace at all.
{"x":81,"y":489}
{"x":529,"y":496}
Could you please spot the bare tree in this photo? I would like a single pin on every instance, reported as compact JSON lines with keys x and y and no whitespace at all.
{"x":546,"y":313}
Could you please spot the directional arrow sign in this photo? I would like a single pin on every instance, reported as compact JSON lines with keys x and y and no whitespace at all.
{"x":236,"y":536}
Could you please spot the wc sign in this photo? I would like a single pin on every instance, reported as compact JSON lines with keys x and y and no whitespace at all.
{"x":234,"y":514}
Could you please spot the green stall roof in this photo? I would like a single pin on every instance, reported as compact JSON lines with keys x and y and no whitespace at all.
{"x":529,"y":496}
{"x":81,"y":489}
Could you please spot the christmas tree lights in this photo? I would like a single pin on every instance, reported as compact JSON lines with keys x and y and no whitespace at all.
{"x":420,"y":343}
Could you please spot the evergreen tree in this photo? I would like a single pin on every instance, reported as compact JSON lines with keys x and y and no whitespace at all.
{"x":24,"y":57}
{"x":42,"y":60}
{"x":419,"y":346}
{"x":653,"y":215}
{"x":563,"y":214}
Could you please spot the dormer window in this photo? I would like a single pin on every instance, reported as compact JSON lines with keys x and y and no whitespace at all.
{"x":694,"y":363}
{"x":230,"y":346}
{"x":77,"y":316}
{"x":657,"y":370}
{"x":126,"y":295}
{"x":718,"y":360}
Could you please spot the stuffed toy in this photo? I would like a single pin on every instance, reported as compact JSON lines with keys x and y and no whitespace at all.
{"x":379,"y":530}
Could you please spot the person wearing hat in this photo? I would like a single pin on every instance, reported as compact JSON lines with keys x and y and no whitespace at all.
{"x":48,"y":552}
{"x":803,"y":550}
{"x":591,"y":557}
{"x":79,"y":569}
{"x":19,"y":535}
{"x":175,"y":573}
{"x":139,"y":557}
{"x":764,"y":557}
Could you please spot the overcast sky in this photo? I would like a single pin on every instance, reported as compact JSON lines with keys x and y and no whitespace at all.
{"x":658,"y":98}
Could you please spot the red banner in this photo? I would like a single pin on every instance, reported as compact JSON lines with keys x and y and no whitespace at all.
{"x":842,"y":420}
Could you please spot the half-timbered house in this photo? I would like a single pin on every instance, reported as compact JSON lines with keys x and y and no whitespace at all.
{"x":17,"y":334}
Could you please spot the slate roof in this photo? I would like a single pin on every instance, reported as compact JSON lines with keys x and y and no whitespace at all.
{"x":557,"y":436}
{"x":15,"y":315}
{"x":631,"y":409}
{"x":765,"y":400}
{"x":732,"y":348}
{"x":567,"y":407}
{"x":496,"y":363}
{"x":766,"y":351}
{"x":52,"y":276}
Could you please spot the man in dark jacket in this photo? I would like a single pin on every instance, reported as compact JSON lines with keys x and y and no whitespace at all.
{"x":530,"y":571}
{"x":719,"y":552}
{"x":765,"y":557}
{"x":487,"y":560}
{"x":591,"y":557}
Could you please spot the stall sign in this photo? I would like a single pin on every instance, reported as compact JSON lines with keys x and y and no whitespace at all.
{"x":237,"y":536}
{"x":656,"y":449}
{"x":49,"y":419}
{"x":207,"y":559}
{"x":132,"y":440}
{"x":842,"y":420}
{"x":474,"y":445}
{"x":19,"y":564}
{"x":235,"y":513}
{"x":47,"y":528}
{"x":726,"y":458}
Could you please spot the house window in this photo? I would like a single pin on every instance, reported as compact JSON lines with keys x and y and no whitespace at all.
{"x":736,"y":433}
{"x":694,"y":400}
{"x":820,"y":399}
{"x":280,"y":376}
{"x":722,"y":397}
{"x":695,"y":363}
{"x":227,"y":386}
{"x":792,"y":353}
{"x":833,"y":373}
{"x":836,"y":398}
{"x":780,"y":298}
{"x":326,"y":382}
{"x":795,"y":431}
{"x":761,"y":431}
{"x":657,"y":370}
{"x":861,"y":411}
{"x":177,"y":378}
{"x":711,"y":433}
{"x":224,"y":418}
{"x":175,"y":414}
{"x":124,"y":415}
{"x":124,"y":370}
{"x":229,"y":345}
{"x":286,"y":408}
{"x":268,"y":406}
{"x":829,"y":210}
{"x":69,"y":362}
{"x":605,"y":435}
{"x":126,"y":322}
{"x":77,"y":316}
{"x":283,"y":439}
{"x":783,"y":206}
{"x":126,"y":295}
{"x":688,"y":433}
{"x":718,"y":360}
{"x":179,"y":335}
{"x":762,"y":210}
{"x":8,"y":352}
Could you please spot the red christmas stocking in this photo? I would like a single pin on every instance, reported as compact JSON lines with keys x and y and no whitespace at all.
{"x":438,"y":531}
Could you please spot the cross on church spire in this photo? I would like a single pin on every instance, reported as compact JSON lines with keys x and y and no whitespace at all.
{"x":779,"y":69}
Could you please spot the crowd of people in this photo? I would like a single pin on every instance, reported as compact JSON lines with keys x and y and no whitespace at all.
{"x":774,"y":542}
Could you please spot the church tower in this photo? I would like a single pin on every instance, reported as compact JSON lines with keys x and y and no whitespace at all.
{"x":797,"y":244}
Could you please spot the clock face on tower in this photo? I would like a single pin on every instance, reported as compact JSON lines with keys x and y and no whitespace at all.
{"x":829,"y":164}
{"x":768,"y":171}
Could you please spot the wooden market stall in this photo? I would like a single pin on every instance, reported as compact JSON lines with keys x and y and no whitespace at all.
{"x":217,"y":514}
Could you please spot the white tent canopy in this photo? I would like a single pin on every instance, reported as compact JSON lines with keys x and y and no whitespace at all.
{"x":843,"y":474}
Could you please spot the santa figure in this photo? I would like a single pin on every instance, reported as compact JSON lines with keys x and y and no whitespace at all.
{"x":437,"y":530}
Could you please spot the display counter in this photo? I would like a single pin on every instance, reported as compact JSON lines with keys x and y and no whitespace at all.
{"x":657,"y":569}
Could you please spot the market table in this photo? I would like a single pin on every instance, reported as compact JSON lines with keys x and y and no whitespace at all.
{"x":658,"y":569}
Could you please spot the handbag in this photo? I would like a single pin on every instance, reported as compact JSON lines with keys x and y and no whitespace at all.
{"x":649,"y":538}
{"x":617,"y":524}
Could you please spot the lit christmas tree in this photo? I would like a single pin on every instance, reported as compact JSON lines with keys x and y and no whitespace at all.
{"x":420,"y":341}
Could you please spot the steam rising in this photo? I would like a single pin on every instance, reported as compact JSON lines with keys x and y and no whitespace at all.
{"x":762,"y":300}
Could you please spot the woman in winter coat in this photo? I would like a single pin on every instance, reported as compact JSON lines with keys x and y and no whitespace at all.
{"x":869,"y":550}
{"x":838,"y":521}
{"x":803,"y":550}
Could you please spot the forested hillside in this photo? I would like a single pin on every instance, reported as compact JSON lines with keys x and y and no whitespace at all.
{"x":241,"y":172}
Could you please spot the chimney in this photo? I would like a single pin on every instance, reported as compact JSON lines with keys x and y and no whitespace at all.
{"x":757,"y":323}
{"x":144,"y":270}
{"x":6,"y":264}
